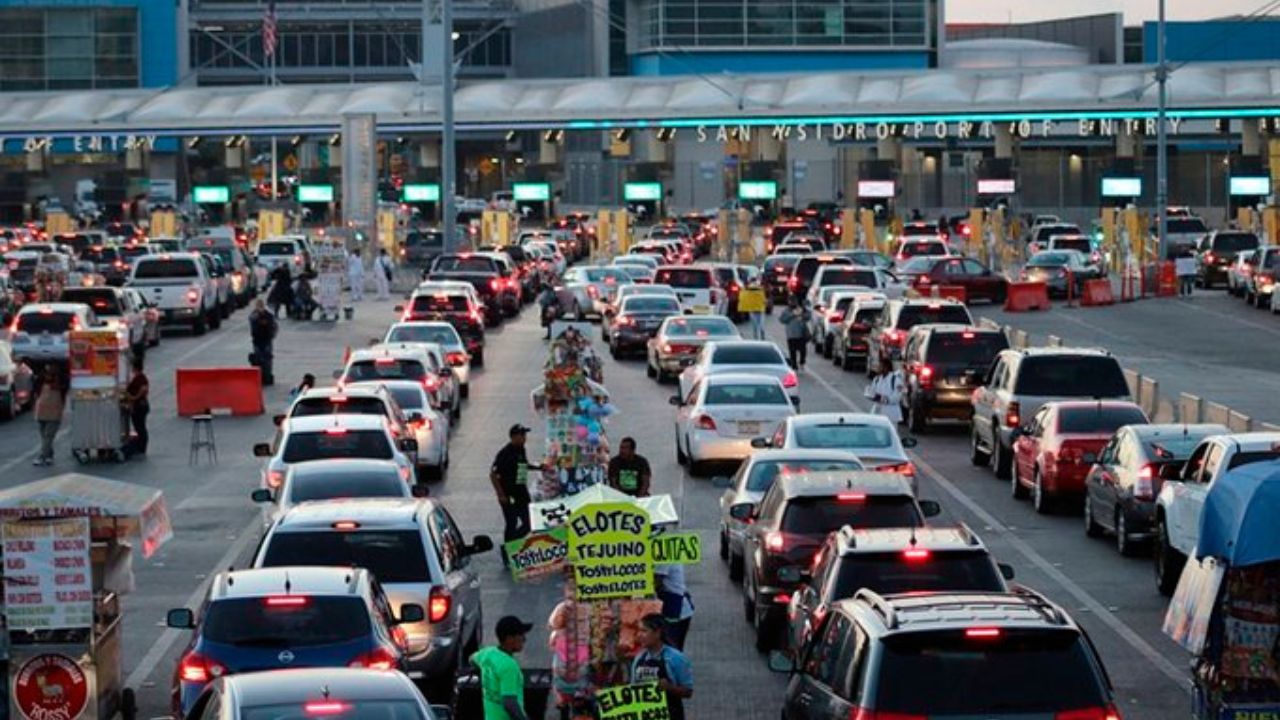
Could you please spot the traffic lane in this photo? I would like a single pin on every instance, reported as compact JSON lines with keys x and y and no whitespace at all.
{"x":731,"y":675}
{"x":1212,"y":345}
{"x":1112,"y":597}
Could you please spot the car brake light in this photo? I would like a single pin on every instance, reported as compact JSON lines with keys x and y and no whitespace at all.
{"x":706,"y":422}
{"x":197,"y":668}
{"x":1094,"y":713}
{"x":335,"y":431}
{"x":457,"y":358}
{"x":430,"y":382}
{"x":782,"y":599}
{"x":905,"y":468}
{"x":916,"y":555}
{"x":326,"y":708}
{"x":286,"y":601}
{"x":848,"y":497}
{"x":376,"y":659}
{"x":865,"y":714}
{"x":790,"y":380}
{"x":793,"y":282}
{"x":982,"y":633}
{"x":837,"y":317}
{"x":1011,"y":415}
{"x":593,"y":291}
{"x":346,"y":525}
{"x":275,"y":479}
{"x":925,"y":373}
{"x":421,"y":424}
{"x":495,"y":284}
{"x":439,"y":604}
{"x":1208,"y":257}
{"x":1144,"y":489}
{"x":775,"y":541}
{"x":193,"y":296}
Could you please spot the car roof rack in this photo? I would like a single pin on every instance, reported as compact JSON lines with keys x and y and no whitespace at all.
{"x":880,"y":605}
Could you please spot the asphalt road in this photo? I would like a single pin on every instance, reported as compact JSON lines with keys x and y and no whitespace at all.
{"x":216,"y":527}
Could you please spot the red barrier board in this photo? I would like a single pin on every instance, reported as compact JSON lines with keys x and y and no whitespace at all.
{"x":234,"y":391}
{"x":1024,"y":296}
{"x":1097,"y":292}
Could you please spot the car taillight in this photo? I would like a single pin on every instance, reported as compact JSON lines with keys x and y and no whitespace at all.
{"x":905,"y":468}
{"x":378,"y":658}
{"x":706,"y":422}
{"x":893,"y":337}
{"x":982,"y":633}
{"x":775,"y":541}
{"x":325,"y":708}
{"x":837,"y":317}
{"x":790,"y":380}
{"x":916,"y":555}
{"x":782,"y":599}
{"x":275,"y":478}
{"x":513,"y":283}
{"x":793,"y":283}
{"x":430,"y":382}
{"x":1144,"y":488}
{"x":421,"y":424}
{"x":193,"y":296}
{"x":197,"y":668}
{"x":1011,"y":416}
{"x":865,"y":714}
{"x":457,"y":358}
{"x":593,"y":291}
{"x":1094,"y":713}
{"x":925,"y":373}
{"x":439,"y":604}
{"x":1208,"y":257}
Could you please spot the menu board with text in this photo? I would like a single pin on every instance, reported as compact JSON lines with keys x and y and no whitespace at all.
{"x":48,"y":577}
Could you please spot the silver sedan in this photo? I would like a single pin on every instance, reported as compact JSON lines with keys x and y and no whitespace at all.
{"x":593,"y":288}
{"x":722,"y":414}
{"x":679,"y":339}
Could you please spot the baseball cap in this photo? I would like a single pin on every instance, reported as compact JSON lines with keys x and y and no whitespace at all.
{"x":518,"y":429}
{"x":511,"y":625}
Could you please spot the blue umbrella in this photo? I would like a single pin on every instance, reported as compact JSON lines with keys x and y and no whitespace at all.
{"x":1240,"y":524}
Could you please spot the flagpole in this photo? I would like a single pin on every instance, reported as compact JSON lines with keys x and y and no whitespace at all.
{"x":275,"y":164}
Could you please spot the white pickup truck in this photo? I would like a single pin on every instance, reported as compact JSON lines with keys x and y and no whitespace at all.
{"x":1180,"y":502}
{"x":179,"y":285}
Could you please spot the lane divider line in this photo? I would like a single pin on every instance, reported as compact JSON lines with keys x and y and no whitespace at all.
{"x":1133,"y":639}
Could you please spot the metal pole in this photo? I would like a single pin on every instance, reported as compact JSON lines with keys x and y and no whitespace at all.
{"x":1162,"y":142}
{"x":274,"y":151}
{"x":447,"y":171}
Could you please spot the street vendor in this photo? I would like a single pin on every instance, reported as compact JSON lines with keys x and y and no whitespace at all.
{"x":661,"y":663}
{"x":629,"y":471}
{"x":510,"y":477}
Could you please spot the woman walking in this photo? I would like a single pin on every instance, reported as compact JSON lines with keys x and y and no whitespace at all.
{"x":50,"y":401}
{"x":137,"y":397}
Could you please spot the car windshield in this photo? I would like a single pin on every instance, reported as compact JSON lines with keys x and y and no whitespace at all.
{"x":747,"y":355}
{"x":890,"y":573}
{"x":100,"y":254}
{"x":1020,"y":672}
{"x":440,"y":303}
{"x":763,"y":474}
{"x":54,"y":323}
{"x":914,"y":249}
{"x":1071,"y":376}
{"x":1248,"y":458}
{"x":819,"y":516}
{"x":385,"y":369}
{"x":394,"y":556}
{"x":408,"y":397}
{"x":305,"y":486}
{"x":102,"y":300}
{"x":358,"y":710}
{"x":308,"y":621}
{"x":1080,"y":244}
{"x":1235,"y":242}
{"x":438,"y":334}
{"x":840,"y":436}
{"x":165,"y":269}
{"x":684,"y":278}
{"x":743,"y":394}
{"x":851,"y":276}
{"x":337,"y":443}
{"x":276,"y":248}
{"x":780,"y":264}
{"x":651,"y":305}
{"x":1187,"y":225}
{"x":1050,"y":259}
{"x":433,"y":238}
{"x":808,"y":267}
{"x":970,"y":349}
{"x":338,"y":404}
{"x":466,"y":264}
{"x":913,"y":315}
{"x":701,"y":327}
{"x":867,"y":316}
{"x":1098,"y":419}
{"x":604,"y":275}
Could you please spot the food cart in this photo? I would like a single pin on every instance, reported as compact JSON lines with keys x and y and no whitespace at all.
{"x":1226,"y":610}
{"x":68,"y":545}
{"x":99,"y":375}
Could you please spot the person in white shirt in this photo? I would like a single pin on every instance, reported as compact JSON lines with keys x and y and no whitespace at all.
{"x":355,"y":275}
{"x":886,"y":392}
{"x":382,"y":270}
{"x":1185,"y":268}
{"x":677,"y":604}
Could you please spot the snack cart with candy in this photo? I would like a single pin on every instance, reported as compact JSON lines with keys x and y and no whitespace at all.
{"x":68,"y":544}
{"x":99,"y":373}
{"x":1226,"y":609}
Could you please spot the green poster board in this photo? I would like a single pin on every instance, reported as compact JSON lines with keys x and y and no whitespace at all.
{"x":642,"y":701}
{"x":537,"y":554}
{"x":676,"y":549}
{"x":609,"y":551}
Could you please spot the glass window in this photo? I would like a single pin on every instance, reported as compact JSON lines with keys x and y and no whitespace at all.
{"x":1098,"y":418}
{"x":822,"y":515}
{"x":394,"y":556}
{"x":763,"y":474}
{"x":304,"y":486}
{"x":314,"y":620}
{"x":359,"y":710}
{"x":746,"y":395}
{"x":748,"y":355}
{"x":312,"y":406}
{"x":368,"y":444}
{"x":893,"y":572}
{"x":1071,"y":376}
{"x":844,"y":436}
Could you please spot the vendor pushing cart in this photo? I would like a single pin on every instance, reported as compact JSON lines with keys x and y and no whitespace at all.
{"x":1226,"y":609}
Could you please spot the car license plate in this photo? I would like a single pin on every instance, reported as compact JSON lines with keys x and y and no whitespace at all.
{"x":686,"y":362}
{"x":45,"y":340}
{"x":748,"y":427}
{"x":702,"y":309}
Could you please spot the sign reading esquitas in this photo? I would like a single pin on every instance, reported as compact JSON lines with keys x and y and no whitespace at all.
{"x":609,"y":551}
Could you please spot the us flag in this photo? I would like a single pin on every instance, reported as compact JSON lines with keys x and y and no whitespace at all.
{"x":269,"y":30}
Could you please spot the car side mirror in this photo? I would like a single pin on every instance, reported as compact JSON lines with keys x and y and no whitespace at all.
{"x":277,"y":420}
{"x":723,"y":482}
{"x":180,"y":619}
{"x":262,"y":450}
{"x":409,"y":445}
{"x":909,"y":442}
{"x":795,"y":402}
{"x":411,"y":613}
{"x":761,"y":443}
{"x":480,"y":544}
{"x":1172,"y":471}
{"x":1006,"y":570}
{"x":262,"y":495}
{"x":675,"y":400}
{"x":930,"y":508}
{"x":742,"y":511}
{"x":420,"y":491}
{"x":781,"y":662}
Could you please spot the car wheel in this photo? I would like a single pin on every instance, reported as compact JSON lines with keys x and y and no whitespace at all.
{"x":466,"y":390}
{"x":1091,"y":527}
{"x":199,"y":326}
{"x":649,"y":369}
{"x":1124,"y":544}
{"x":724,"y":547}
{"x":977,"y":457}
{"x":613,"y":351}
{"x":748,"y":601}
{"x":765,"y":633}
{"x":577,"y":312}
{"x":477,"y":360}
{"x":681,"y":458}
{"x":1015,"y":485}
{"x":9,"y":409}
{"x":1041,"y":499}
{"x":215,"y":319}
{"x":838,"y":359}
{"x":826,"y":347}
{"x":998,"y":297}
{"x":735,"y":567}
{"x":1168,"y":561}
{"x":1000,"y":458}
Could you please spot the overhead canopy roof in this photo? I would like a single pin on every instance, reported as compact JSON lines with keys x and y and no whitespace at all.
{"x":1247,"y":88}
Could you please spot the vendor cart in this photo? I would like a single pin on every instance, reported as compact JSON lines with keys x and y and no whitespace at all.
{"x":1226,"y":609}
{"x":68,"y":546}
{"x":98,"y":378}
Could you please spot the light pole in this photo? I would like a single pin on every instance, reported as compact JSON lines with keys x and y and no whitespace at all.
{"x":447,"y":172}
{"x":1162,"y":142}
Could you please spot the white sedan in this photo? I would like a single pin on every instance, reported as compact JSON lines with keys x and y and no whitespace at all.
{"x":439,"y":333}
{"x":756,"y":357}
{"x":428,"y":426}
{"x":718,"y":419}
{"x":873,"y":438}
{"x":332,"y":480}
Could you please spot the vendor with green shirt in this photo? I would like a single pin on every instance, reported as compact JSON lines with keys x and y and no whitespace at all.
{"x":501,"y":679}
{"x":628,"y":471}
{"x":510,"y":477}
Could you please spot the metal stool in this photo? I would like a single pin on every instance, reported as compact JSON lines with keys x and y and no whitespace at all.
{"x":202,"y":438}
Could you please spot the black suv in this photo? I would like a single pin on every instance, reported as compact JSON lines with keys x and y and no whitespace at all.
{"x":791,"y":522}
{"x":775,"y":275}
{"x":889,"y":334}
{"x":891,"y":561}
{"x":980,"y":655}
{"x":807,"y":267}
{"x":942,"y":364}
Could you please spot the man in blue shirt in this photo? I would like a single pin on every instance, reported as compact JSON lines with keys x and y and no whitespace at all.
{"x":659,"y":662}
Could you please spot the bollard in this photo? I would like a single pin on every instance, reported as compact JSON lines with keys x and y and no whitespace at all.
{"x":1189,"y":408}
{"x":1131,"y":378}
{"x":1217,"y":413}
{"x":1148,"y":395}
{"x":1054,"y":341}
{"x":1020,"y":339}
{"x":1268,"y":427}
{"x":1238,"y":421}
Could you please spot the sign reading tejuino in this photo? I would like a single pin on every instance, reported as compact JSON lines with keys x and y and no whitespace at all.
{"x":609,"y":551}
